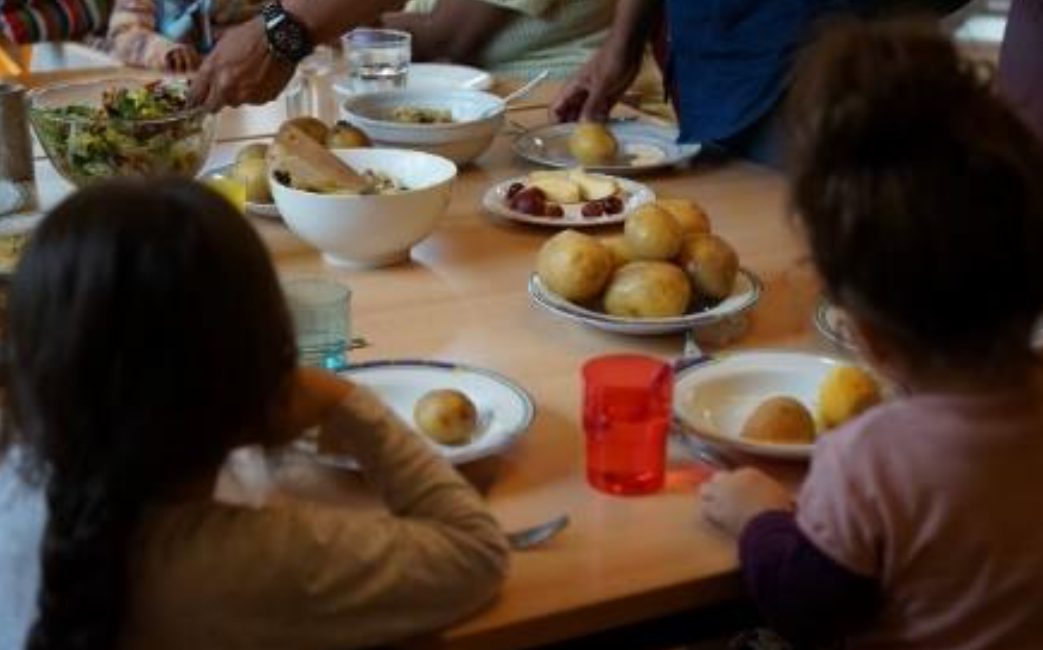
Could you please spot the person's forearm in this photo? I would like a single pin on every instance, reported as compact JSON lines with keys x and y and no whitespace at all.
{"x":328,"y":19}
{"x":632,"y":25}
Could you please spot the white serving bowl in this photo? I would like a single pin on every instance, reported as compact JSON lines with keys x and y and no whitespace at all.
{"x":478,"y":117}
{"x":372,"y":230}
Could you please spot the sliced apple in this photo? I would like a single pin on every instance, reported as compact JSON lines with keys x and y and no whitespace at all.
{"x":593,"y":188}
{"x":559,"y":190}
{"x":544,"y":175}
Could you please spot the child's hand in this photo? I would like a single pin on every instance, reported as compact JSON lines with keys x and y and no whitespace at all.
{"x":183,"y":58}
{"x":310,"y":396}
{"x":731,"y":499}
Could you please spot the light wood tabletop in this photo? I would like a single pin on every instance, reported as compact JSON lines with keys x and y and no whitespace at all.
{"x":463,"y":298}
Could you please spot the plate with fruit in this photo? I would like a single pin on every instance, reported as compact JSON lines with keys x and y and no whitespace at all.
{"x":666,"y":273}
{"x":622,"y":147}
{"x":772,"y":403}
{"x":570,"y":198}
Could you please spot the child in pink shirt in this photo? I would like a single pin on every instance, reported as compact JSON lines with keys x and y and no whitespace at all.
{"x":919,"y":527}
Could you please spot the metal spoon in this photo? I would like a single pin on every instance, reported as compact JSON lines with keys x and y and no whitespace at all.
{"x":518,"y":94}
{"x":527,"y":538}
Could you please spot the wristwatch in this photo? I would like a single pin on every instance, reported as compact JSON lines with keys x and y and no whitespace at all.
{"x":287,"y":37}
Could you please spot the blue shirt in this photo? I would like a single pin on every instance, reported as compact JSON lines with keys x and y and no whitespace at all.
{"x":730,"y":59}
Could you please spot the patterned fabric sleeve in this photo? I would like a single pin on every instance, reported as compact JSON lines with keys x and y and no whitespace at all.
{"x":133,"y":37}
{"x":35,"y":21}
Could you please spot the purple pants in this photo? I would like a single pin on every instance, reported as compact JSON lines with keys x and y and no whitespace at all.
{"x":1021,"y":62}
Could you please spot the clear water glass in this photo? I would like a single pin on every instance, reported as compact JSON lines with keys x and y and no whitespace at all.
{"x":320,"y":308}
{"x":310,"y":92}
{"x":377,"y":59}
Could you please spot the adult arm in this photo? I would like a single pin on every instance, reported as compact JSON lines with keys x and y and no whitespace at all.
{"x":456,"y":29}
{"x":598,"y":85}
{"x":241,"y":70}
{"x":804,"y":595}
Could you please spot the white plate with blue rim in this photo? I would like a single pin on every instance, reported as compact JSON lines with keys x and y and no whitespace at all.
{"x":714,"y":397}
{"x":505,"y":410}
{"x":260,"y":209}
{"x":744,"y":296}
{"x":643,"y":147}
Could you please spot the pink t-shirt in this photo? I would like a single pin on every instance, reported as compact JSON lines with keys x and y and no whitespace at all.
{"x":940,"y":499}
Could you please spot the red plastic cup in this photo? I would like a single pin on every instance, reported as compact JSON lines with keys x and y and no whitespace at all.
{"x":626,"y":417}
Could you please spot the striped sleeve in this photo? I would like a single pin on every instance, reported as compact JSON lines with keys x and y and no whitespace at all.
{"x":35,"y":21}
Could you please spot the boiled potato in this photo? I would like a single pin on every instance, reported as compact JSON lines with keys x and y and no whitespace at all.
{"x":253,"y":173}
{"x":620,"y":250}
{"x":652,"y":233}
{"x":313,"y":127}
{"x":780,"y":420}
{"x":711,"y":263}
{"x":592,"y":143}
{"x":256,"y":150}
{"x":574,"y":266}
{"x":845,"y":392}
{"x":447,"y":416}
{"x":648,"y":290}
{"x":346,"y":136}
{"x":692,"y":219}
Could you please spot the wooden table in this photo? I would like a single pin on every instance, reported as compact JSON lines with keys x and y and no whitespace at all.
{"x":463,"y":297}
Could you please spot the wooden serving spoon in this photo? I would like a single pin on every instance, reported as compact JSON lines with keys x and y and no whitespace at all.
{"x":311,"y":166}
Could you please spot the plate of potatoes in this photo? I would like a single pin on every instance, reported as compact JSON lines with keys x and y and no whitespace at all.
{"x":774,"y":404}
{"x":465,"y":412}
{"x":668,"y":272}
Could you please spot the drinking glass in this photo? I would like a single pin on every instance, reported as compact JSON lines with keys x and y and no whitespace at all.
{"x":310,"y":92}
{"x":377,"y":59}
{"x":626,"y":418}
{"x":320,"y":307}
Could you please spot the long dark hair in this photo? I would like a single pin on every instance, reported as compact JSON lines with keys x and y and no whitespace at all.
{"x":146,"y":337}
{"x":920,"y":191}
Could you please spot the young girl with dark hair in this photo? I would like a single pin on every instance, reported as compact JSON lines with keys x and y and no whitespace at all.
{"x":147,"y":337}
{"x":921,"y":195}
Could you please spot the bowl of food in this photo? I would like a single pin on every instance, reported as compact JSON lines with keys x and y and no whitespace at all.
{"x":127,"y":126}
{"x":456,"y":124}
{"x":406,"y":194}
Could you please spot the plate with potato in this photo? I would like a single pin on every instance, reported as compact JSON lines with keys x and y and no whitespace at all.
{"x":773,"y":404}
{"x":466,"y":413}
{"x":571,"y":198}
{"x":623,"y":147}
{"x":668,"y":272}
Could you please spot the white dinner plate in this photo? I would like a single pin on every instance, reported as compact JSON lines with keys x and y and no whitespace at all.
{"x":637,"y":194}
{"x":268,"y":210}
{"x":435,"y":76}
{"x":643,"y":147}
{"x":744,"y":296}
{"x":713,"y":399}
{"x":505,"y":410}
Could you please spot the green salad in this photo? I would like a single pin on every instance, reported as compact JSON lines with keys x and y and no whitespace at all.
{"x":127,"y":135}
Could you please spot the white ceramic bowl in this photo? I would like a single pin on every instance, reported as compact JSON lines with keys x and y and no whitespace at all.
{"x":470,"y":134}
{"x":373,"y":230}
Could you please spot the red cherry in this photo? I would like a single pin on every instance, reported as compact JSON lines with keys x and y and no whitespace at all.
{"x":593,"y":209}
{"x":553,"y":210}
{"x":513,"y":190}
{"x":530,"y":201}
{"x":612,"y":205}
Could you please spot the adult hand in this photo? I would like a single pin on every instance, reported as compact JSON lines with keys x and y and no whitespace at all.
{"x":592,"y":92}
{"x":240,"y":70}
{"x":183,"y":58}
{"x":731,"y":499}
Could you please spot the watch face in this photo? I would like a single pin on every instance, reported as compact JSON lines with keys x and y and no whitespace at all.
{"x":288,"y":38}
